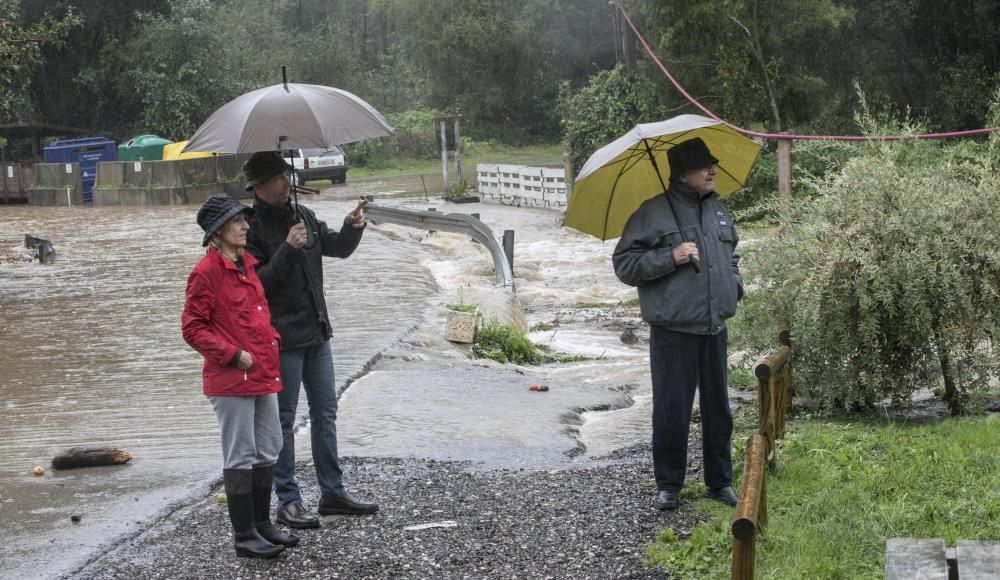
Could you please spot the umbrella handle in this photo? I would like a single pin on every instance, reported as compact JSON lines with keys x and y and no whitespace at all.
{"x":694,"y":263}
{"x":310,"y":236}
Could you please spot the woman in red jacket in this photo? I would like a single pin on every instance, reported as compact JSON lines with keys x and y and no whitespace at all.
{"x":227,"y":321}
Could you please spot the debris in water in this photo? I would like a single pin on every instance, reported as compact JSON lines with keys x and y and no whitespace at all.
{"x":75,"y":518}
{"x":39,"y":470}
{"x":538,"y":388}
{"x":629,"y":336}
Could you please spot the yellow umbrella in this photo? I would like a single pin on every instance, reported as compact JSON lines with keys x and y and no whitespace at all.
{"x":618,"y":177}
{"x":173,"y":152}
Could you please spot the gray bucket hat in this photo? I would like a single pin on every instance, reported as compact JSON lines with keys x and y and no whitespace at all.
{"x":216,"y":211}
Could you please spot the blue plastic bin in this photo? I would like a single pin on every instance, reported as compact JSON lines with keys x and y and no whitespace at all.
{"x":87,"y":152}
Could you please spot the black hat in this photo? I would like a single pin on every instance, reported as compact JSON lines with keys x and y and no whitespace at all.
{"x":262,"y":166}
{"x":216,"y":211}
{"x":689,"y":155}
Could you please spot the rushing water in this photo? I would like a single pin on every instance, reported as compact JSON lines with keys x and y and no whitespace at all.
{"x":91,"y":352}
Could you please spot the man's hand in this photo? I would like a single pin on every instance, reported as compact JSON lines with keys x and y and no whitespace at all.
{"x":245,"y":362}
{"x":297,"y":236}
{"x":685,"y":252}
{"x":356,"y":218}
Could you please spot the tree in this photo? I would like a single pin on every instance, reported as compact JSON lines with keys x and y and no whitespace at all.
{"x":612,"y":103}
{"x":173,"y":65}
{"x":21,"y":45}
{"x":890,"y":277}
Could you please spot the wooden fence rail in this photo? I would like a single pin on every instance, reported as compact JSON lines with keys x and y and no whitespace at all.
{"x":774,"y":387}
{"x":751,"y":511}
{"x":774,"y":382}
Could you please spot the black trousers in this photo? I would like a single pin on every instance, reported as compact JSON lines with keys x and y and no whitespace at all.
{"x":680,"y":363}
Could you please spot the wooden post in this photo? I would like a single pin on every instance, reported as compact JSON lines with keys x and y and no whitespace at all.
{"x":444,"y":156}
{"x":751,"y":511}
{"x":458,"y":155}
{"x":771,"y":371}
{"x":784,"y":181}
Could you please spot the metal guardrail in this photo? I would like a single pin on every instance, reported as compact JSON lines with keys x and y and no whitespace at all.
{"x":447,"y":222}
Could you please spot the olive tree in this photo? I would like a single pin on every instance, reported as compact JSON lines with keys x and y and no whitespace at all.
{"x":889,"y":277}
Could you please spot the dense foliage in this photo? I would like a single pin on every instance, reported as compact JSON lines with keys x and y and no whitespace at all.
{"x":611,"y":104}
{"x":941,"y":60}
{"x":157,"y":66}
{"x":889,"y":276}
{"x":21,"y":46}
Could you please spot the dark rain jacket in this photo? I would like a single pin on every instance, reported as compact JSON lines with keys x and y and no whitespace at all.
{"x":678,"y":298}
{"x":293,"y":278}
{"x":225,"y":312}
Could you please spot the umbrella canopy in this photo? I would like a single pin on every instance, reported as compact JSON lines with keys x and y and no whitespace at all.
{"x":618,"y":177}
{"x":289,"y":116}
{"x":172,"y":152}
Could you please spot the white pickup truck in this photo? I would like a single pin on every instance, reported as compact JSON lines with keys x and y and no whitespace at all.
{"x":314,"y":164}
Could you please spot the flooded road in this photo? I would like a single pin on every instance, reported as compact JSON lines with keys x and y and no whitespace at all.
{"x":91,"y":352}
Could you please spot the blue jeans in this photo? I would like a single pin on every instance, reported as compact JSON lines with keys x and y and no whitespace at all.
{"x":313,"y":368}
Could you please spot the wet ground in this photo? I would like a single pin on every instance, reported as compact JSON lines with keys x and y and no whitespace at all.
{"x":92,"y":356}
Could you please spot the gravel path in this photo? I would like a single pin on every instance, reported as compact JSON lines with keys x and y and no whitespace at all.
{"x":592,"y":521}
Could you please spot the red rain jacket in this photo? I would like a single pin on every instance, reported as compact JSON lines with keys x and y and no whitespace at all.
{"x":224,"y":311}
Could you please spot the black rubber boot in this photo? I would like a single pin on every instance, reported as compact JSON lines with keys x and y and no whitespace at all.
{"x":263,"y":477}
{"x":239,"y":499}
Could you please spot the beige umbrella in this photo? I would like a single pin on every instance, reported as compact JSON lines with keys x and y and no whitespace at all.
{"x":618,"y":177}
{"x":289,"y":116}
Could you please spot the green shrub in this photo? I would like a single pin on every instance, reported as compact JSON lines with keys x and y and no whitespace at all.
{"x":503,"y":343}
{"x":613,"y":102}
{"x":811,"y":160}
{"x":414,"y":139}
{"x":889,"y":276}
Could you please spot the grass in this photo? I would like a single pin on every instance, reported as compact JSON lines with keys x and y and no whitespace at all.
{"x":741,"y":378}
{"x":842,"y":489}
{"x":533,"y":155}
{"x":460,"y":307}
{"x":503,"y":343}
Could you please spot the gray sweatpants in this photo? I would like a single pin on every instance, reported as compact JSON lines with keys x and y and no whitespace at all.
{"x":250,"y":430}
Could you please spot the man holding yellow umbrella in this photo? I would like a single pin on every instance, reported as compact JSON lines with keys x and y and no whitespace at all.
{"x":677,"y":247}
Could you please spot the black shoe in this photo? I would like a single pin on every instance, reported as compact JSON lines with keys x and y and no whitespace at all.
{"x":294,"y":515}
{"x":273,"y":534}
{"x":666,"y":500}
{"x":724,"y":494}
{"x":345,"y":505}
{"x":250,"y":544}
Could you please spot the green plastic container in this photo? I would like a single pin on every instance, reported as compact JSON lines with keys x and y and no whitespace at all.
{"x":142,"y":148}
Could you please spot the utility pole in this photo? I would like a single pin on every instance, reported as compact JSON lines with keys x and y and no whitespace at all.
{"x":628,"y":47}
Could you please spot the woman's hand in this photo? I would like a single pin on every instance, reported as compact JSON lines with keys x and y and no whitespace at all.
{"x":245,"y":362}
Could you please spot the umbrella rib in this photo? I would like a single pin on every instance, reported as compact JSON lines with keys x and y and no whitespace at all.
{"x":607,"y":211}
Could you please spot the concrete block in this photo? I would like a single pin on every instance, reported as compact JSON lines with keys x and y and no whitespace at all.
{"x":461,"y":326}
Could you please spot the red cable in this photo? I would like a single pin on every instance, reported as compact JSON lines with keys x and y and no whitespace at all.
{"x":786,"y":136}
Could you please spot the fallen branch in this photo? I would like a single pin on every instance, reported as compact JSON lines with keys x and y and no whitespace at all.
{"x":90,"y":457}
